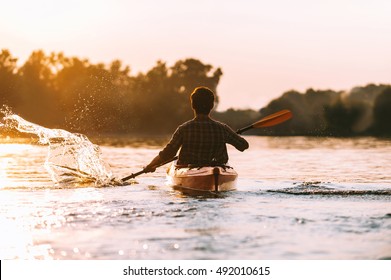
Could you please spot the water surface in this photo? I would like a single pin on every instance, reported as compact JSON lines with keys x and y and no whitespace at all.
{"x":297,"y":198}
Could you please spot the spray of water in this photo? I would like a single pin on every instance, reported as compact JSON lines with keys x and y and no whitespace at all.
{"x":71,"y":157}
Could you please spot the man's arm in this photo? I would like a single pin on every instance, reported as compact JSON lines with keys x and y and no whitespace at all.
{"x":167,"y":153}
{"x":236,"y":140}
{"x":151,"y":167}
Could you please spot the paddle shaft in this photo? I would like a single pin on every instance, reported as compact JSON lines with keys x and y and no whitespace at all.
{"x":131,"y":176}
{"x":270,"y":120}
{"x":240,"y":131}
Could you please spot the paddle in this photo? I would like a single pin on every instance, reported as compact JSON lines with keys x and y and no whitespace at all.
{"x":270,"y":120}
{"x":131,"y":176}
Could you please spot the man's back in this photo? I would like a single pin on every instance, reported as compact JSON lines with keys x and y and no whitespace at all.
{"x":203,"y":142}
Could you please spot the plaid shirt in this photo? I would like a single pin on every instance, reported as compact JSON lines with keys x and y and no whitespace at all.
{"x":202,"y":141}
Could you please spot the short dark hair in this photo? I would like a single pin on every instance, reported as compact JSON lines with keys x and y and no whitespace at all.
{"x":202,"y":100}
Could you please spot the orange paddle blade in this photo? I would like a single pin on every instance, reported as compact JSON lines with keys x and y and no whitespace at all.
{"x":273,"y":119}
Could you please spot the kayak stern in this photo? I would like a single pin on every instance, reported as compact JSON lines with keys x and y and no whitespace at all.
{"x":207,"y":178}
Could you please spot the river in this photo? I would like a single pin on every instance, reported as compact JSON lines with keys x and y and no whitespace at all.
{"x":297,"y":198}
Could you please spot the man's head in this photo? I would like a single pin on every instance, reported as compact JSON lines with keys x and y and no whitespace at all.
{"x":202,"y":100}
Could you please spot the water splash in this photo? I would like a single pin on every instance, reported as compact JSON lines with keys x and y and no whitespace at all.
{"x":71,"y":158}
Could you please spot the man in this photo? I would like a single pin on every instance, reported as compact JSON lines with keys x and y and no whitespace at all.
{"x":202,"y":140}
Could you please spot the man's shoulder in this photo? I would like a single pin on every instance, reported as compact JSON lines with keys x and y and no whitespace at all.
{"x":219,"y":123}
{"x":185,"y":126}
{"x":186,"y":123}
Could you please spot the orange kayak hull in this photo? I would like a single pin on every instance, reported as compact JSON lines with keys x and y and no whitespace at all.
{"x":206,"y":178}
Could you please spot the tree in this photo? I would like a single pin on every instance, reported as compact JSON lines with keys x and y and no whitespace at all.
{"x":382,"y":113}
{"x":165,"y":91}
{"x":38,"y":101}
{"x":308,"y":112}
{"x":8,"y":79}
{"x":340,"y":118}
{"x":190,"y":73}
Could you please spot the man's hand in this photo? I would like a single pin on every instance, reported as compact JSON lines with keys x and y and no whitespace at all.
{"x":149,"y":168}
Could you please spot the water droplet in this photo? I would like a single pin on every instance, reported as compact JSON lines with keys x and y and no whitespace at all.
{"x":63,"y":253}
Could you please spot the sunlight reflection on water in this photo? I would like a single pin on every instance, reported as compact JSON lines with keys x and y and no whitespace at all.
{"x":149,"y":220}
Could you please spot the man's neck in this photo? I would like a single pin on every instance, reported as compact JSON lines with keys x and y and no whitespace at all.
{"x":202,"y":116}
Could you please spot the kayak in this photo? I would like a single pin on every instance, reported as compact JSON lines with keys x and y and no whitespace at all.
{"x":204,"y":178}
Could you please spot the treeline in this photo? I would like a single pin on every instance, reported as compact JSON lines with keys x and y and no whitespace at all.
{"x":358,"y":112}
{"x":74,"y":94}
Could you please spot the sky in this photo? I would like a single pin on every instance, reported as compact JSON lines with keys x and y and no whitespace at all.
{"x":264,"y":48}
